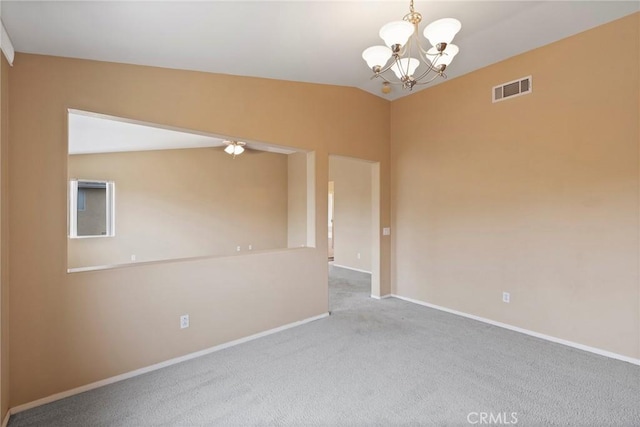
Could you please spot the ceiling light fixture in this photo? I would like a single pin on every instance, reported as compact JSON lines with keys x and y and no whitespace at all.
{"x":403,"y":51}
{"x":234,"y":148}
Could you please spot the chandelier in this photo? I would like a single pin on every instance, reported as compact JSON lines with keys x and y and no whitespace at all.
{"x":403,"y":53}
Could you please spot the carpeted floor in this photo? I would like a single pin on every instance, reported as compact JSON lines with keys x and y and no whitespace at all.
{"x":371,"y":362}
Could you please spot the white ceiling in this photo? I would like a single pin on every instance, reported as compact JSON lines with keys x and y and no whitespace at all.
{"x":97,"y":133}
{"x":308,"y":41}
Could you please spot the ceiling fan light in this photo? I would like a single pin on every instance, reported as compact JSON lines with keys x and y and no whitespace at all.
{"x":396,"y":33}
{"x":376,"y":56}
{"x":405,"y":67}
{"x":442,"y":30}
{"x":238,"y":149}
{"x":229,"y":149}
{"x":447,"y":55}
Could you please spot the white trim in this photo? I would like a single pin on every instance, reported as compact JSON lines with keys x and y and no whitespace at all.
{"x":131,"y":374}
{"x":351,"y":268}
{"x":525,"y":331}
{"x":6,"y":45}
{"x":171,"y":260}
{"x":381,"y":297}
{"x":5,"y":421}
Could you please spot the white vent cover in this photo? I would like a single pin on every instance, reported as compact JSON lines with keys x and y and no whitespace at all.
{"x":511,"y":89}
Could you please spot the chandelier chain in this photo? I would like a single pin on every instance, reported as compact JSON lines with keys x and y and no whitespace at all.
{"x":413,"y":17}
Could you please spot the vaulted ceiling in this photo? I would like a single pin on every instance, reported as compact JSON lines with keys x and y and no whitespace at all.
{"x":307,"y":41}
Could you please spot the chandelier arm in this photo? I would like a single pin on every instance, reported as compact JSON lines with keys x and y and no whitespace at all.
{"x":384,"y":79}
{"x":422,"y":50}
{"x":398,"y":83}
{"x":402,"y":72}
{"x":443,"y":75}
{"x":375,"y":76}
{"x":386,"y":68}
{"x":395,"y":83}
{"x":404,"y":49}
{"x":430,"y":66}
{"x":406,"y":53}
{"x":425,"y":74}
{"x":424,"y":55}
{"x":430,"y":69}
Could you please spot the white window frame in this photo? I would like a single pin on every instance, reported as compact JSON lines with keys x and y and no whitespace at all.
{"x":73,"y":209}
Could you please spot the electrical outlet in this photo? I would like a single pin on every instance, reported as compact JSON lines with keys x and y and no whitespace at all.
{"x":358,"y":255}
{"x":133,"y":257}
{"x":386,"y":231}
{"x":237,"y":248}
{"x":250,"y":247}
{"x":506,"y":297}
{"x":184,"y":321}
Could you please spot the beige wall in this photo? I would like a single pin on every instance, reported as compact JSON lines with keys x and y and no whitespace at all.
{"x":4,"y":237}
{"x":185,"y":203}
{"x":536,"y":196}
{"x":297,"y":200}
{"x":68,"y":330}
{"x":352,"y":212}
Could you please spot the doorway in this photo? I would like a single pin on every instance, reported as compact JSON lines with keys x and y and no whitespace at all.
{"x":354,"y":217}
{"x":330,"y":222}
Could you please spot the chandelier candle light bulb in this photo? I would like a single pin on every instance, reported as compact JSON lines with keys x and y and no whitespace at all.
{"x":404,"y":53}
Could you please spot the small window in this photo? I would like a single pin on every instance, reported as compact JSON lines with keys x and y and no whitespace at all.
{"x":91,"y":208}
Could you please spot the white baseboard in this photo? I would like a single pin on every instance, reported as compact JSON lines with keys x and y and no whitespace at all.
{"x":155,"y":367}
{"x":525,"y":331}
{"x":351,"y":268}
{"x":381,"y":297}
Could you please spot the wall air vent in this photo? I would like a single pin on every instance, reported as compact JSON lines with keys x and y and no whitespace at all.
{"x":511,"y":89}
